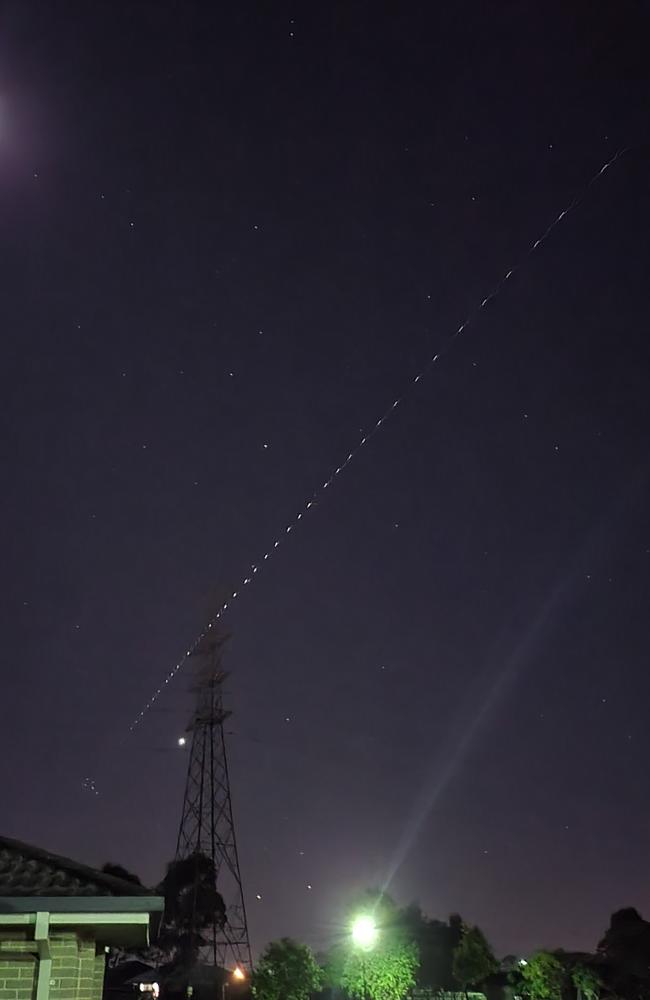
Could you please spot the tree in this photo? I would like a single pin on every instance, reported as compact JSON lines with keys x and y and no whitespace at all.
{"x":473,"y":959}
{"x":287,"y":970}
{"x":387,"y":971}
{"x":586,"y":981}
{"x":192,"y":906}
{"x":386,"y":974}
{"x":436,"y":941}
{"x":543,"y":977}
{"x":624,"y":953}
{"x":626,"y":944}
{"x":117,"y":871}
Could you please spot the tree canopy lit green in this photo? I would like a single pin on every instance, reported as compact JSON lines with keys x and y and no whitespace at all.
{"x":543,"y":977}
{"x":287,"y":970}
{"x":474,"y":961}
{"x":387,"y":971}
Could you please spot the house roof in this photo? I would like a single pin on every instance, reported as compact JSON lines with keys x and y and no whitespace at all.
{"x":33,"y":882}
{"x":31,"y":871}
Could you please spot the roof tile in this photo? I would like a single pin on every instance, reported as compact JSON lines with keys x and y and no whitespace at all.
{"x":30,"y":871}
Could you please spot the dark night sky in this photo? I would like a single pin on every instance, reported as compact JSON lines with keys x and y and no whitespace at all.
{"x":230,"y":235}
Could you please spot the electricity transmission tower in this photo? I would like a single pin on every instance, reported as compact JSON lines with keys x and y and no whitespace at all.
{"x":207,"y":829}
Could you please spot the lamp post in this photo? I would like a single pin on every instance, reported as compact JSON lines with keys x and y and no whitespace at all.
{"x":364,"y":937}
{"x":236,"y":976}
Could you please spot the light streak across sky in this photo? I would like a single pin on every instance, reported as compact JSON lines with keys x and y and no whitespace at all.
{"x":254,"y":569}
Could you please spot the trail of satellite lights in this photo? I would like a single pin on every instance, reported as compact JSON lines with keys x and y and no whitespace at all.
{"x":426,"y":368}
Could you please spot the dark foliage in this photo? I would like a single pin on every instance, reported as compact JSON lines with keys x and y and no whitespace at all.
{"x":193,"y":908}
{"x":436,"y":940}
{"x":117,"y":871}
{"x":625,"y":954}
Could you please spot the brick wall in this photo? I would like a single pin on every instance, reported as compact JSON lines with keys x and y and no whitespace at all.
{"x":17,"y":966}
{"x":77,"y":972}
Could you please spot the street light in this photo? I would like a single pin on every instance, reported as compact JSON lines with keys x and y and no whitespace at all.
{"x":364,"y":932}
{"x":364,"y":936}
{"x":237,"y":975}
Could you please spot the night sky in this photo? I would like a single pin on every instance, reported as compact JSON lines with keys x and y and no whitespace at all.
{"x":231,"y":235}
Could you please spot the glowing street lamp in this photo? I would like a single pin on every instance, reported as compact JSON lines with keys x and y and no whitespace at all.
{"x":364,"y":937}
{"x":364,"y":932}
{"x":236,"y":976}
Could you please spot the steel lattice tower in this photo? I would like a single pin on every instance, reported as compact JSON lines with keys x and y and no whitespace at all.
{"x":207,"y":825}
